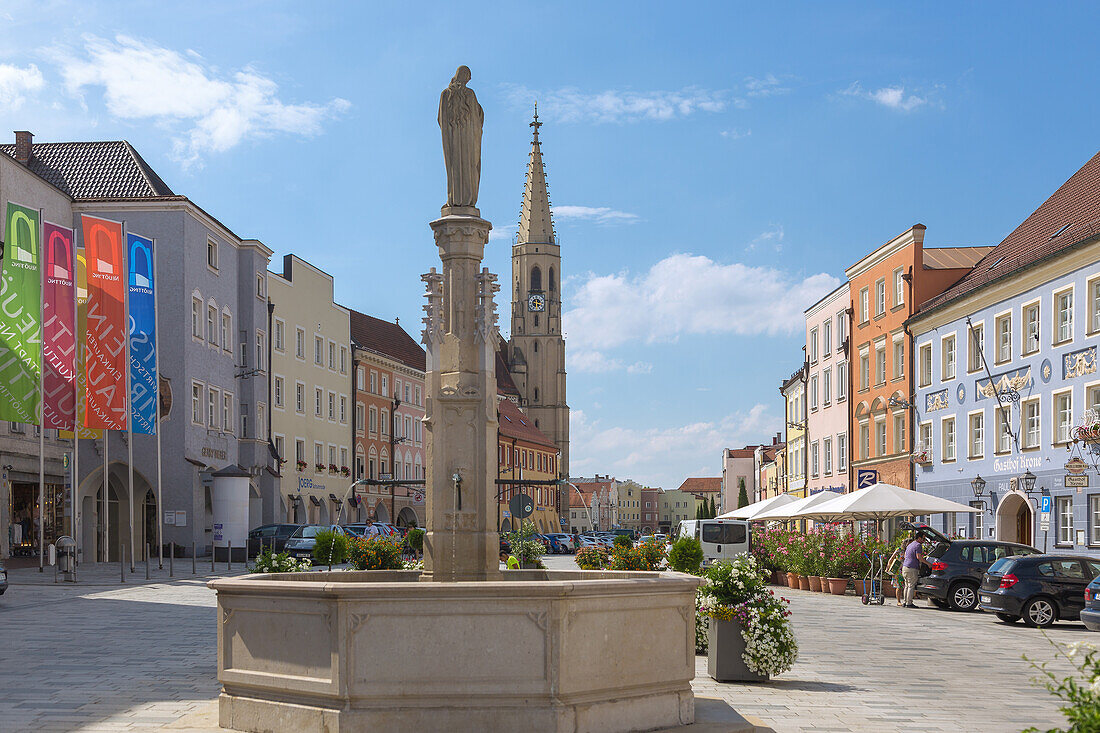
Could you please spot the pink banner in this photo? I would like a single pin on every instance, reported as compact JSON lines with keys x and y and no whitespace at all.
{"x":58,"y":329}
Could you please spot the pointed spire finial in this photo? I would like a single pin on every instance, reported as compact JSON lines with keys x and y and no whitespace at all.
{"x":536,"y":124}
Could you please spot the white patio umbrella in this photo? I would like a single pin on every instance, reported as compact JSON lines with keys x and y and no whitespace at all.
{"x":880,"y":501}
{"x":788,"y":511}
{"x":750,"y":511}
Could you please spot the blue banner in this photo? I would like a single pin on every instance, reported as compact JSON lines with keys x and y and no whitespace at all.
{"x":143,"y":352}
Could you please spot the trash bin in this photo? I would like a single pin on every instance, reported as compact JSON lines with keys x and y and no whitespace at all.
{"x":66,"y":557}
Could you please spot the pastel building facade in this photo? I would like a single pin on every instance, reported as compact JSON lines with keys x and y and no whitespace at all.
{"x":827,"y":389}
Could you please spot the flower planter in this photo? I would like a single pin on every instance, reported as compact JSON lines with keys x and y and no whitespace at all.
{"x":725,"y":655}
{"x":824,"y":583}
{"x":792,"y":580}
{"x":780,"y":578}
{"x":815,"y":583}
{"x":803,"y":582}
{"x":838,"y":586}
{"x":858,"y":582}
{"x":889,"y":590}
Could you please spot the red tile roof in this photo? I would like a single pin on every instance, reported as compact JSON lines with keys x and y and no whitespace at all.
{"x":741,"y":452}
{"x":1068,"y":218}
{"x":388,"y":339}
{"x":514,"y":424}
{"x":702,"y":485}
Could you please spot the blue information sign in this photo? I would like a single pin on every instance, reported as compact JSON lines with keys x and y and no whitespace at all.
{"x":1045,"y":506}
{"x":866,"y":477}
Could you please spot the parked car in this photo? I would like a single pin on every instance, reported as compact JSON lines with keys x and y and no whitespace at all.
{"x":958,"y":567}
{"x":270,"y":536}
{"x":388,"y":529}
{"x":1090,"y":614}
{"x":560,"y":543}
{"x":587,"y":541}
{"x":302,"y":542}
{"x":721,"y":539}
{"x":361,"y":529}
{"x":3,"y":579}
{"x":1040,"y":589}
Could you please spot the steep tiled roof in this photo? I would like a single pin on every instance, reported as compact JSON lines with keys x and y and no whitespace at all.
{"x":1069,"y":217}
{"x":388,"y":339}
{"x":702,"y":485}
{"x":746,"y":452}
{"x":109,"y":169}
{"x":514,"y":424}
{"x":505,"y":385}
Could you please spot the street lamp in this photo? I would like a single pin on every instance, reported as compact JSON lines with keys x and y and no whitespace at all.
{"x":978,"y":485}
{"x":1029,"y":482}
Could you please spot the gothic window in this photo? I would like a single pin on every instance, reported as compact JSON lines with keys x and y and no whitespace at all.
{"x":536,"y":320}
{"x":536,"y":347}
{"x":536,"y":397}
{"x":553,"y":284}
{"x":536,"y":278}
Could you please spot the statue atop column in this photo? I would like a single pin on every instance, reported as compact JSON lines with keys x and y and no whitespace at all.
{"x":460,"y":121}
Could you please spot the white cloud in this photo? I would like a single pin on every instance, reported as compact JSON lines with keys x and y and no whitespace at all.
{"x":773,"y":238}
{"x":893,"y":97}
{"x":735,"y":133}
{"x":570,"y":104}
{"x":17,"y":84}
{"x":209,"y":111}
{"x":665,"y":455}
{"x":502,"y":232}
{"x":599,"y":214}
{"x":596,"y":362}
{"x":768,"y":86}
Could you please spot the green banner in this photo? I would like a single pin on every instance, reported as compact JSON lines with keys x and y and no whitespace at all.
{"x":21,"y":318}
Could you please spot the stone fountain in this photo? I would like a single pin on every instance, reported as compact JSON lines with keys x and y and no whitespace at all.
{"x":460,"y":646}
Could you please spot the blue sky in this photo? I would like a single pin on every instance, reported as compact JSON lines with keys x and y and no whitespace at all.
{"x":713,"y":169}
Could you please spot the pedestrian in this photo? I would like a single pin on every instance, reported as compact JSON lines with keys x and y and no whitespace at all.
{"x":893,"y":569}
{"x":910,"y":567}
{"x":510,"y":561}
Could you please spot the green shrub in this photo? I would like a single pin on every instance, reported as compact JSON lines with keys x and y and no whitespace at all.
{"x":375,"y":553}
{"x":621,"y":540}
{"x":591,"y":558}
{"x":266,"y":562}
{"x":525,"y":547}
{"x":654,"y":553}
{"x":331,"y":548}
{"x":686,"y":555}
{"x":415,"y":538}
{"x":627,"y":558}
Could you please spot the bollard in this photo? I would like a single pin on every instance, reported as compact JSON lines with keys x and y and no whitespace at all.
{"x":147,"y":561}
{"x":194,"y":566}
{"x":212,"y":557}
{"x":228,"y":556}
{"x":172,"y":560}
{"x":122,"y":563}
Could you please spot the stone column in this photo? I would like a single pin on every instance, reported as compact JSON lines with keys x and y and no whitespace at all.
{"x":462,"y":542}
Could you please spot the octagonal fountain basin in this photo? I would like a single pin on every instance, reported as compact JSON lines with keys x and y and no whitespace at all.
{"x":538,"y":650}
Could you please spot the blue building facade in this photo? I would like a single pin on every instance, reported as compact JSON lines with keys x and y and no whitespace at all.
{"x":1006,"y":375}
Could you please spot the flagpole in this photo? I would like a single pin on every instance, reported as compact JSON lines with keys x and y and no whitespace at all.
{"x":127,"y":403}
{"x":106,"y":487}
{"x":156,"y":358}
{"x":41,"y":403}
{"x":78,"y":530}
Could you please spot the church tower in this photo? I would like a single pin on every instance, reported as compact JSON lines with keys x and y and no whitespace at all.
{"x":537,"y":353}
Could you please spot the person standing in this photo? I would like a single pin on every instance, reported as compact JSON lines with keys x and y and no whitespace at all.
{"x":510,"y":561}
{"x":910,"y":568}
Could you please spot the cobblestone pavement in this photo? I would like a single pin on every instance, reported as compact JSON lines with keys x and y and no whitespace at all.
{"x":106,"y":657}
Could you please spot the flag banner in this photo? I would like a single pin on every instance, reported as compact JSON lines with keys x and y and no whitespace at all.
{"x":58,"y":328}
{"x":143,"y":352}
{"x":105,"y":393}
{"x":21,"y":317}
{"x":81,"y":350}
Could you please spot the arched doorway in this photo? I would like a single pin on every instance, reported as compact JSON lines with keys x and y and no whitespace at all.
{"x":407,"y":518}
{"x":1015,"y":519}
{"x":506,"y":525}
{"x":381,"y":513}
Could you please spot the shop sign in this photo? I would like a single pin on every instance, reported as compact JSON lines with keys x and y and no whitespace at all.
{"x":307,"y":483}
{"x":1076,"y":466}
{"x":208,"y":452}
{"x":170,"y":518}
{"x":181,"y":519}
{"x":866,"y":477}
{"x":218,"y":532}
{"x":1017,"y":464}
{"x":1077,"y":481}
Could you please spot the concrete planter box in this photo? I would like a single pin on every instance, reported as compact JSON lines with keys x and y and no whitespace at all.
{"x":378,"y":650}
{"x":725,"y":655}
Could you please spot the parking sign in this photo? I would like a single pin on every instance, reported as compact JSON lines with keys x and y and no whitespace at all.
{"x":1045,"y":505}
{"x":866,"y":477}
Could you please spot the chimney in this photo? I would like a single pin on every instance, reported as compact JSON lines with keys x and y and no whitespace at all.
{"x":23,"y":146}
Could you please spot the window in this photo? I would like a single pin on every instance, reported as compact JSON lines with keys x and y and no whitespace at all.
{"x":260,"y":286}
{"x":211,"y":324}
{"x":899,"y":288}
{"x":1030,"y":423}
{"x":977,"y":434}
{"x":827,"y":386}
{"x":926,"y":438}
{"x":813,"y":346}
{"x":196,"y":317}
{"x":925,"y":365}
{"x":300,"y":343}
{"x":899,"y":432}
{"x":1094,"y":305}
{"x":343,"y":360}
{"x":880,"y":365}
{"x":385,"y":422}
{"x":385,"y":385}
{"x":212,"y":254}
{"x":331,"y":406}
{"x":880,"y":297}
{"x":212,"y":408}
{"x":864,"y":440}
{"x":1092,"y":398}
{"x":880,"y":436}
{"x":814,"y":458}
{"x":343,"y":409}
{"x":261,"y":350}
{"x":899,"y":358}
{"x":244,"y":354}
{"x":359,"y":466}
{"x":974,"y":351}
{"x":827,"y":338}
{"x":278,"y":392}
{"x":1030,"y":329}
{"x":406,"y":391}
{"x":841,"y":330}
{"x":947,"y":438}
{"x":318,"y":351}
{"x":827,"y":450}
{"x":299,"y":450}
{"x":332,"y":355}
{"x":418,"y":395}
{"x":1063,"y":414}
{"x":864,"y":367}
{"x":360,"y":418}
{"x":343,"y":457}
{"x":947,"y":348}
{"x":227,"y":412}
{"x":319,"y":454}
{"x":976,"y":519}
{"x":196,"y":403}
{"x":261,"y":422}
{"x":280,"y":443}
{"x":1004,"y":338}
{"x":1063,"y":316}
{"x":1094,"y":519}
{"x":813,"y":392}
{"x":419,"y":431}
{"x":227,"y":330}
{"x":318,"y":402}
{"x":279,"y":328}
{"x":863,"y":300}
{"x":1004,"y":429}
{"x":841,"y":380}
{"x":373,"y":383}
{"x":842,"y":453}
{"x":1063,"y":506}
{"x":360,"y":379}
{"x":300,"y":397}
{"x":372,"y":426}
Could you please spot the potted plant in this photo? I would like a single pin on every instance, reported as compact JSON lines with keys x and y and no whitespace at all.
{"x":345,"y":471}
{"x":302,"y":466}
{"x":333,"y":469}
{"x":320,"y":467}
{"x":749,"y":634}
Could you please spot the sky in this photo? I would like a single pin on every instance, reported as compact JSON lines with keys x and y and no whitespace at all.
{"x":714,"y":167}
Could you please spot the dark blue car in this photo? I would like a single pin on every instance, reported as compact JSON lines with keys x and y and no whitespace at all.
{"x":1040,"y":589}
{"x":1090,"y":614}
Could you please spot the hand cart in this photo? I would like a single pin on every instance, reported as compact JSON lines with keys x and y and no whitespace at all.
{"x":872,"y":582}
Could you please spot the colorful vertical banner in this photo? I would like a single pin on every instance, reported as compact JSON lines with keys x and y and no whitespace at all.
{"x":81,"y":350}
{"x":58,"y":328}
{"x":105,"y":393}
{"x":143,"y":352}
{"x":21,"y":317}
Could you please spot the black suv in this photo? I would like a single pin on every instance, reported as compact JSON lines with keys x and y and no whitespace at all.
{"x":958,"y":567}
{"x":1040,"y":589}
{"x":270,"y":536}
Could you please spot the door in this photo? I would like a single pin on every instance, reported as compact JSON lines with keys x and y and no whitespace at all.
{"x":1023,"y":526}
{"x":1072,"y":580}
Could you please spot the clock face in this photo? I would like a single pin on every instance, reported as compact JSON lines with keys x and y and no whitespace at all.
{"x":536,"y":303}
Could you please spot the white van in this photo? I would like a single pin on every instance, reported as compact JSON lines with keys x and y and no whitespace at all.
{"x":721,"y":539}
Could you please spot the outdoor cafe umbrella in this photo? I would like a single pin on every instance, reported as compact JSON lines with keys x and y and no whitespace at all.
{"x":880,"y":501}
{"x":789,"y":510}
{"x":751,"y":510}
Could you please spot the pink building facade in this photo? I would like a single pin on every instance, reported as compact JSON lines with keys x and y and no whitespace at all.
{"x":828,"y":388}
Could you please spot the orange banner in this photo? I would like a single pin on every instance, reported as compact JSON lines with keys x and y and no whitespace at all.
{"x":105,"y":367}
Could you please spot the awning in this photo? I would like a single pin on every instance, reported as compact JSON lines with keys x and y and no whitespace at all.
{"x":314,"y":500}
{"x":750,"y":511}
{"x":792,"y":508}
{"x":293,"y":498}
{"x":880,"y":501}
{"x":334,"y":499}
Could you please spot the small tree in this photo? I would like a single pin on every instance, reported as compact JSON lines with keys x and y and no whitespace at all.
{"x":713,"y":510}
{"x":330,"y":548}
{"x":686,"y":555}
{"x":742,"y":495}
{"x":621,"y":540}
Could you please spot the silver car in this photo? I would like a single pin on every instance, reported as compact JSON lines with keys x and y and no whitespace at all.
{"x":302,"y":542}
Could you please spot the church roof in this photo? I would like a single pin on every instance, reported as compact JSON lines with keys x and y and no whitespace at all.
{"x":388,"y":339}
{"x":535,"y":222}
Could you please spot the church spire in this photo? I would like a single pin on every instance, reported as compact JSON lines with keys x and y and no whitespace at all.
{"x":535,"y":223}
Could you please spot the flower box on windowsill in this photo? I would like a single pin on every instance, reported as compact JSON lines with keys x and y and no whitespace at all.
{"x":923,"y":458}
